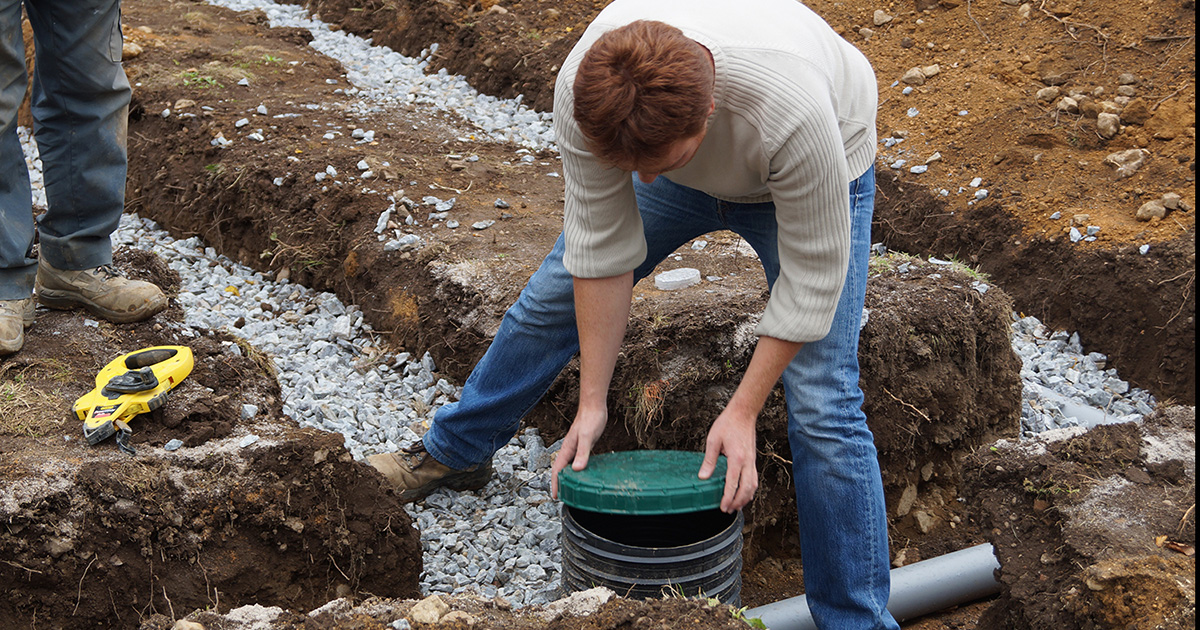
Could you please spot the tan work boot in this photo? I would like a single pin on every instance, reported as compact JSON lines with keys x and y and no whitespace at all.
{"x":15,"y":317}
{"x":102,"y":290}
{"x":415,"y":473}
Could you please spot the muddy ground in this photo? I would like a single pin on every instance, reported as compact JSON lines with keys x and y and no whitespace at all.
{"x":121,"y":542}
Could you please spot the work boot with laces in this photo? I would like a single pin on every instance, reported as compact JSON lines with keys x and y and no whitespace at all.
{"x":15,"y":317}
{"x":415,"y":473}
{"x":102,"y":290}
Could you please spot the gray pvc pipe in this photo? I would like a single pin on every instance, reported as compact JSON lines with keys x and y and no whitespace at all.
{"x":917,"y":589}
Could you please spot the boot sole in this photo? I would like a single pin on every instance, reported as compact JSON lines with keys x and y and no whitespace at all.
{"x":64,"y":300}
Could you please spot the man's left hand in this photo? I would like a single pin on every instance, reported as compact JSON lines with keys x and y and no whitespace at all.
{"x":733,"y":435}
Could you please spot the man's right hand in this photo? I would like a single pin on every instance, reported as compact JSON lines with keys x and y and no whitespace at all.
{"x":577,"y":445}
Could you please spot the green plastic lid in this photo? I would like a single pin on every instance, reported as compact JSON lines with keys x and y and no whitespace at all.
{"x":643,"y":482}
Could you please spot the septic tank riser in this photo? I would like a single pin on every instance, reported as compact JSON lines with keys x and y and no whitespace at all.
{"x":917,"y":589}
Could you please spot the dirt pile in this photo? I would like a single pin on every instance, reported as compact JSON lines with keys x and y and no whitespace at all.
{"x":250,"y":508}
{"x":598,"y":609}
{"x":1095,"y":530}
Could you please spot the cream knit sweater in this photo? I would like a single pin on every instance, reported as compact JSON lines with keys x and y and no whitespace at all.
{"x":794,"y":123}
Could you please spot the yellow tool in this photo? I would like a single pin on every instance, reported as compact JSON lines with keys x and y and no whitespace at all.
{"x":131,"y":384}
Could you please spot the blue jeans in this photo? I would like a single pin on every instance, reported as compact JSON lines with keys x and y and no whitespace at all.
{"x":80,"y":106}
{"x":839,"y":492}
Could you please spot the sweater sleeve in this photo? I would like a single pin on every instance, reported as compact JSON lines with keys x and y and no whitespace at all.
{"x":601,"y":224}
{"x":808,"y":183}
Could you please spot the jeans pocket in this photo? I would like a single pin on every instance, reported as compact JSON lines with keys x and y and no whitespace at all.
{"x":116,"y":41}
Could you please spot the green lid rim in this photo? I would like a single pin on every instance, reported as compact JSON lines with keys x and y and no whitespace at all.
{"x":589,"y":494}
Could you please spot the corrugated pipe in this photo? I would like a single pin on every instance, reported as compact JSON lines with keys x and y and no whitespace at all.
{"x":917,"y":589}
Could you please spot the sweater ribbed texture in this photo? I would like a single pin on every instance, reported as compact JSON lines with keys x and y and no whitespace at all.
{"x":794,"y":124}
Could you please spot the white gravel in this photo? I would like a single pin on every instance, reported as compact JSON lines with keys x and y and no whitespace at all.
{"x":334,"y":377}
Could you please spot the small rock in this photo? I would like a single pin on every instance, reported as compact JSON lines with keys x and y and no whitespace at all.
{"x":130,"y":50}
{"x":1048,"y":94}
{"x":1127,"y":162}
{"x":1128,"y":78}
{"x":1055,"y":78}
{"x":184,"y":624}
{"x":865,"y":32}
{"x":1068,"y":105}
{"x":881,"y":17}
{"x":1171,"y":201}
{"x":1144,"y":249}
{"x":483,"y":225}
{"x":56,"y":547}
{"x":905,"y":556}
{"x":914,"y":76}
{"x":247,"y":441}
{"x":1108,"y":125}
{"x":578,"y":604}
{"x":173,"y":445}
{"x":458,"y":617}
{"x":925,"y":522}
{"x":1151,"y":210}
{"x":931,"y":70}
{"x":428,"y":610}
{"x":907,"y":498}
{"x":1136,"y":112}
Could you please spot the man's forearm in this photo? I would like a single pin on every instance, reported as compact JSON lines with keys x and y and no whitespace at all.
{"x":601,"y":313}
{"x":771,"y":358}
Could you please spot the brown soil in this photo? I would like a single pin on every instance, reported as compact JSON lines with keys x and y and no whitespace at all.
{"x":96,"y":538}
{"x":1080,"y":543}
{"x":938,"y":370}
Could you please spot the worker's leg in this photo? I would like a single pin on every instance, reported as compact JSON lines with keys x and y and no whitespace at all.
{"x":839,"y":492}
{"x":537,"y":336}
{"x":17,"y":269}
{"x":80,"y":106}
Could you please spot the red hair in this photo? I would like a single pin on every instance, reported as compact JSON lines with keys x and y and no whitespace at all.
{"x":639,"y":89}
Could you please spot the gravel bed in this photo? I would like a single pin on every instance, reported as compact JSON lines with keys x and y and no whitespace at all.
{"x":508,"y":533}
